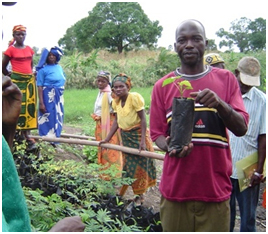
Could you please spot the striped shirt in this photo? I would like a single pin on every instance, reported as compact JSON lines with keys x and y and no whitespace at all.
{"x":241,"y":147}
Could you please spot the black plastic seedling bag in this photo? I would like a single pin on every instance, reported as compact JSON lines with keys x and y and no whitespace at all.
{"x":181,"y":124}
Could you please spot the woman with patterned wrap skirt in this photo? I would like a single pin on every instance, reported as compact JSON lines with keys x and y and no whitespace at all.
{"x":130,"y":118}
{"x":21,"y":58}
{"x":50,"y":83}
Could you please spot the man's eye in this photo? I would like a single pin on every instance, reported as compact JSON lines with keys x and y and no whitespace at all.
{"x":197,"y":39}
{"x":180,"y":41}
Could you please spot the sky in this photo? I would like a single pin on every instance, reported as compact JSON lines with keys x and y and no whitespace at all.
{"x":47,"y":21}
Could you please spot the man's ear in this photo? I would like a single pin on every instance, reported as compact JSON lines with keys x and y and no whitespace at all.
{"x":175,"y":47}
{"x":237,"y":72}
{"x":206,"y":43}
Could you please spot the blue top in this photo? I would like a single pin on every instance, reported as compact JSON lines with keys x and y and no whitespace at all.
{"x":51,"y":75}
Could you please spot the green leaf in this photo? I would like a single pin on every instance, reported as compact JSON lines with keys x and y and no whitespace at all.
{"x":185,"y":84}
{"x":170,"y":80}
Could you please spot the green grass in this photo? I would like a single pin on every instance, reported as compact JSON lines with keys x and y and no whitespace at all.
{"x":79,"y":105}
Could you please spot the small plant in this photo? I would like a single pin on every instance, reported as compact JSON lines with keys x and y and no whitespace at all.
{"x":181,"y":85}
{"x":182,"y":117}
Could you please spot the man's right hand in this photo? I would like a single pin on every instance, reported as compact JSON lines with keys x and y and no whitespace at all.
{"x":11,"y":101}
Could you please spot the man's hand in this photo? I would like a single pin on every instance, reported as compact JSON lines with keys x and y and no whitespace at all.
{"x":183,"y":153}
{"x":11,"y":101}
{"x":207,"y":98}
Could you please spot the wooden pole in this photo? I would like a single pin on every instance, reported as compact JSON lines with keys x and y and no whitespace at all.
{"x":65,"y":135}
{"x":129,"y":150}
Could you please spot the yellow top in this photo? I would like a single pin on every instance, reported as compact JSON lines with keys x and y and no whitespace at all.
{"x":127,"y":116}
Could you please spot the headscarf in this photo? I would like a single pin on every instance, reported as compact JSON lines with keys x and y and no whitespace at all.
{"x":45,"y":52}
{"x":16,"y":28}
{"x":19,"y":28}
{"x":123,"y":78}
{"x":106,"y":75}
{"x":57,"y":52}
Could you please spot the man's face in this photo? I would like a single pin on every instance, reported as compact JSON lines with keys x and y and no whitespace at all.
{"x":190,"y":43}
{"x":243,"y":87}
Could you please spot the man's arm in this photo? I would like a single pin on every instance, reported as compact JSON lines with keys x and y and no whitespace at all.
{"x":233,"y":120}
{"x":5,"y":62}
{"x":256,"y":178}
{"x":11,"y":106}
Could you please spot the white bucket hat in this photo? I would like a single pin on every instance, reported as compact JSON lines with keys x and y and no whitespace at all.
{"x":249,"y":69}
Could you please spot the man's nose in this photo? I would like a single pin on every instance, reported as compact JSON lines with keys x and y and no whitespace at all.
{"x":189,"y":43}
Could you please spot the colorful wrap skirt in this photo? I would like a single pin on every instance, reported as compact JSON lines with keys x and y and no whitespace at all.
{"x":50,"y":123}
{"x":28,"y":115}
{"x":108,"y":157}
{"x":138,"y":167}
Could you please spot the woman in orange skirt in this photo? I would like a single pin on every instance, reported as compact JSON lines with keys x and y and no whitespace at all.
{"x":104,"y":117}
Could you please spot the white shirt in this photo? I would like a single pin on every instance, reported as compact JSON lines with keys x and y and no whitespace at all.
{"x":98,"y":103}
{"x":241,"y":147}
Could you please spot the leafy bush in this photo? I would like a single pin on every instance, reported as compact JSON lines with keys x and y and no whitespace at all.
{"x":55,"y":189}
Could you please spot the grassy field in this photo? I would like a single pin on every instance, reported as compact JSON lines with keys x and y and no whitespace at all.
{"x":79,"y":105}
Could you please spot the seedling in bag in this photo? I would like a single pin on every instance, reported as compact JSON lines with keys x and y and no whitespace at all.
{"x":182,"y":116}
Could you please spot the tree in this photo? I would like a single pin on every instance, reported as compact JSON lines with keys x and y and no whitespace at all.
{"x":68,"y":42}
{"x":35,"y":49}
{"x":211,"y":45}
{"x":113,"y":25}
{"x":245,"y":34}
{"x":257,"y":35}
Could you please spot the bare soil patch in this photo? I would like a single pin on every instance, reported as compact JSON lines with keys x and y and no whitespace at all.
{"x":152,"y":196}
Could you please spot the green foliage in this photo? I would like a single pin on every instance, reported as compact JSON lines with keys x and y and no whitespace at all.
{"x":91,"y":153}
{"x":81,"y":70}
{"x":181,"y":85}
{"x":257,"y":36}
{"x":78,"y":69}
{"x":211,"y":45}
{"x":165,"y":62}
{"x":78,"y":186}
{"x":113,"y":25}
{"x":246,"y":34}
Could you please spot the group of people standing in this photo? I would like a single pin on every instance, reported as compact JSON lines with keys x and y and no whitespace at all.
{"x":199,"y":184}
{"x":126,"y":114}
{"x":120,"y":119}
{"x":47,"y":82}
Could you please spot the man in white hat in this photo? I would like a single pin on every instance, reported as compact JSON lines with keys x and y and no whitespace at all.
{"x":248,"y":76}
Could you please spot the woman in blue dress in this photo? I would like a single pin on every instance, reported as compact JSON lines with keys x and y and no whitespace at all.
{"x":50,"y":83}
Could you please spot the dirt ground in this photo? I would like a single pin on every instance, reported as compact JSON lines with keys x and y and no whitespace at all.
{"x":152,"y":197}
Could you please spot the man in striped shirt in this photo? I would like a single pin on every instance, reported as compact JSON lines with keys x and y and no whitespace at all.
{"x":248,"y":76}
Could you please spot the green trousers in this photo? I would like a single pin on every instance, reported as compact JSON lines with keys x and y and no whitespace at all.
{"x":194,"y":216}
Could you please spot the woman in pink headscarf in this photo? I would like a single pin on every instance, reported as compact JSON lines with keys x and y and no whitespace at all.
{"x":104,"y":118}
